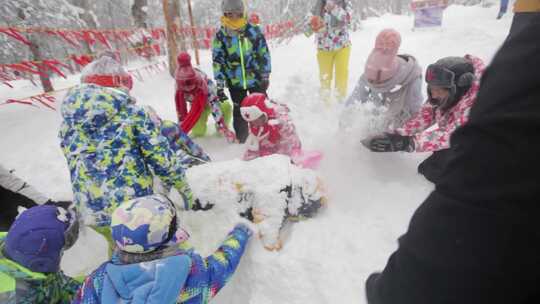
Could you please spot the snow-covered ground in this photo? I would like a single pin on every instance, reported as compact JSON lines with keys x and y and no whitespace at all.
{"x":372,"y":196}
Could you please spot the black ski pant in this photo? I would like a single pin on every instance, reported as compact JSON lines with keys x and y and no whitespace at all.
{"x":239,"y":124}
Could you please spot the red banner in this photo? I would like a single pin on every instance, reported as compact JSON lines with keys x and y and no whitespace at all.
{"x":45,"y":100}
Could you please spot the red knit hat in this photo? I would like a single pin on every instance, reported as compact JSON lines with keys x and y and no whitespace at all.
{"x":187,"y":79}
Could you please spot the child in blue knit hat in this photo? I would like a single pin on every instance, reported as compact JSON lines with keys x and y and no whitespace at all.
{"x":30,"y":255}
{"x":149,"y":264}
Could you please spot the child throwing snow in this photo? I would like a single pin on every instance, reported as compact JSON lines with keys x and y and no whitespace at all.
{"x":452,"y":86}
{"x":30,"y":255}
{"x":150,"y":267}
{"x":390,"y":82}
{"x":195,"y":88}
{"x":271,"y":130}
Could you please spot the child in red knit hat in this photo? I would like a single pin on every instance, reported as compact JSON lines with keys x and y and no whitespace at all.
{"x":195,"y":88}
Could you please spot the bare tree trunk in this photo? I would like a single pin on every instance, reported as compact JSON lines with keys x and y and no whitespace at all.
{"x":36,"y":56}
{"x":397,"y":7}
{"x":193,"y":34}
{"x":139,"y":14}
{"x":88,"y":18}
{"x":44,"y":76}
{"x":177,"y":17}
{"x":171,"y":37}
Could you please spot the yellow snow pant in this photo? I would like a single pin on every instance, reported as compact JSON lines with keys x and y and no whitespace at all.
{"x":199,"y":130}
{"x":328,"y":61}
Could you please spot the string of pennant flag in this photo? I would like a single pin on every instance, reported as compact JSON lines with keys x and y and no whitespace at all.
{"x":44,"y":67}
{"x":143,"y":42}
{"x":48,"y":100}
{"x":150,"y":44}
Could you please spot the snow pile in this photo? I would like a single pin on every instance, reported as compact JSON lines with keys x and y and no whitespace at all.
{"x":363,"y":120}
{"x":371,"y":196}
{"x":236,"y":187}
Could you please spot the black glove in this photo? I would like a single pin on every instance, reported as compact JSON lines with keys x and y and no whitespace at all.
{"x":265,"y":83}
{"x":197,"y":206}
{"x":390,"y":143}
{"x":221,"y":94}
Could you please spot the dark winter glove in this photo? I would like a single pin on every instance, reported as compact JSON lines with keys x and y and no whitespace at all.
{"x":390,"y":143}
{"x":221,"y":94}
{"x":197,"y":205}
{"x":265,"y":82}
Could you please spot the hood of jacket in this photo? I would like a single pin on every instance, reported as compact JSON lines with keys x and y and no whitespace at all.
{"x":90,"y":107}
{"x":152,"y":282}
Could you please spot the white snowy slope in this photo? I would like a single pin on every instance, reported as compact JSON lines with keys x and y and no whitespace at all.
{"x":372,"y":196}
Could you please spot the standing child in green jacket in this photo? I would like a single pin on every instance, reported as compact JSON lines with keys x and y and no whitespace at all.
{"x":30,"y":255}
{"x":241,"y":60}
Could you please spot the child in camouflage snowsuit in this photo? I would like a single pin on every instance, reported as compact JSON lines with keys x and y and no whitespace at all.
{"x":241,"y":60}
{"x":150,"y":265}
{"x":30,"y":256}
{"x":114,"y":147}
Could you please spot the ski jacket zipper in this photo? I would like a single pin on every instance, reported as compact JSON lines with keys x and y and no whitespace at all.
{"x":244,"y":81}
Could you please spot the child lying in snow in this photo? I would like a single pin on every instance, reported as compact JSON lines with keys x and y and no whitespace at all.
{"x":267,"y":191}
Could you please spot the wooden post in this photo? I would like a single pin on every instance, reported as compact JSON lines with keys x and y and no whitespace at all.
{"x":193,"y":34}
{"x":171,"y":37}
{"x":44,"y":76}
{"x":36,"y":54}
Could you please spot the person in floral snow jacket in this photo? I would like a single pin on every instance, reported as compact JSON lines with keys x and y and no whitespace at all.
{"x":330,"y":21}
{"x":453,"y":83}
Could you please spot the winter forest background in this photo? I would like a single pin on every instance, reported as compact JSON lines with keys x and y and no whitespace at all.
{"x":121,"y":14}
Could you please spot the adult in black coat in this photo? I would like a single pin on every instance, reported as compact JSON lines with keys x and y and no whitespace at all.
{"x":476,"y":239}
